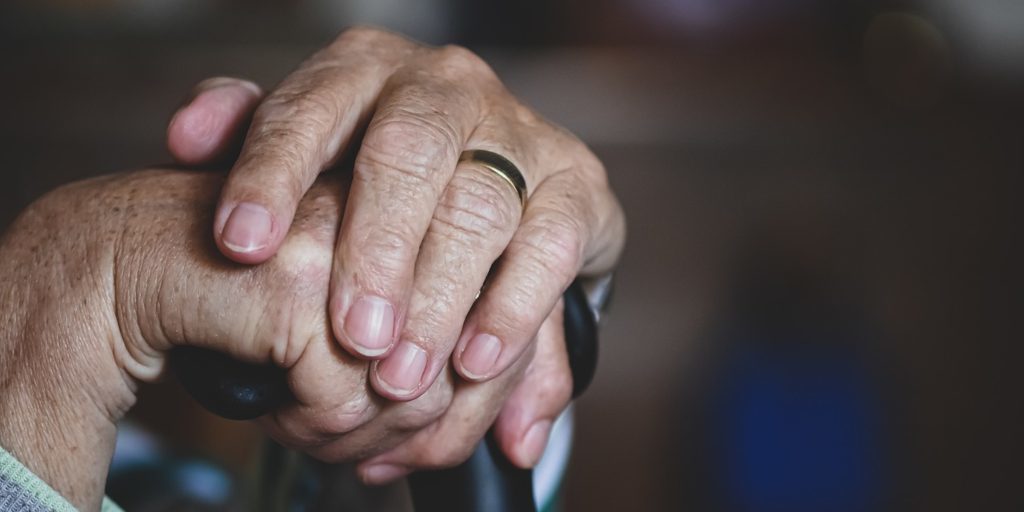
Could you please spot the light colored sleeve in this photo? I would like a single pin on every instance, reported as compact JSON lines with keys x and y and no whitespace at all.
{"x":22,"y":491}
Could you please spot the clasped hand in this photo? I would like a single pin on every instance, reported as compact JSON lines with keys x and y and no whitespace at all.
{"x":414,"y":304}
{"x":437,"y":264}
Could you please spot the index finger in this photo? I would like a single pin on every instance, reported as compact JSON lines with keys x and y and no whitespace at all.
{"x":297,"y":132}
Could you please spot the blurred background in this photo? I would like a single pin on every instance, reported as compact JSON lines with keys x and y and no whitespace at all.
{"x":819,"y":307}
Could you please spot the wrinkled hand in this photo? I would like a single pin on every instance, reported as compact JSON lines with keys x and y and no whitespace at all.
{"x":422,"y":231}
{"x":100,"y":279}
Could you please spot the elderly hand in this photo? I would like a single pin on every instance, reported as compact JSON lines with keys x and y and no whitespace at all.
{"x":422,"y":230}
{"x":99,"y":279}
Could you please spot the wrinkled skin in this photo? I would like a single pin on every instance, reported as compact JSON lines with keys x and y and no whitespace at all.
{"x":422,"y":230}
{"x":99,"y":279}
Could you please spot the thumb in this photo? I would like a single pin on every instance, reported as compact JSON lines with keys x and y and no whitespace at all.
{"x":211,"y":124}
{"x":183,"y":292}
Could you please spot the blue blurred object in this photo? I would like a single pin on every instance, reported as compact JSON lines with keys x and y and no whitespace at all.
{"x":799,"y":430}
{"x":144,"y":477}
{"x":796,"y":415}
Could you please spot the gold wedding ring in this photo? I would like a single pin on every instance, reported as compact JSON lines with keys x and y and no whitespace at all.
{"x":501,"y":166}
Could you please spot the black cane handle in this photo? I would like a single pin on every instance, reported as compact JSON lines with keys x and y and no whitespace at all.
{"x":486,"y":482}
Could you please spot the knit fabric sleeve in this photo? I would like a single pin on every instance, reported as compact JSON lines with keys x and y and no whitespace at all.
{"x":23,"y":491}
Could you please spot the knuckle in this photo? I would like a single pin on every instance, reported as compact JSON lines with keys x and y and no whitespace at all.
{"x":288,"y":148}
{"x":463,"y":59}
{"x":433,"y":317}
{"x":408,"y":144}
{"x":378,"y":45}
{"x":514,"y":316}
{"x":556,"y":389}
{"x":590,"y":168}
{"x":361,"y":33}
{"x":425,"y":410}
{"x":476,"y":207}
{"x":531,"y":119}
{"x":292,"y":433}
{"x":302,"y":263}
{"x":305,"y":427}
{"x":416,"y":419}
{"x":316,"y":219}
{"x":346,"y":417}
{"x":367,"y":34}
{"x":570,"y":152}
{"x":553,"y":244}
{"x":418,"y":125}
{"x":457,"y":61}
{"x":309,"y":107}
{"x":394,"y":237}
{"x":287,"y":321}
{"x":281,"y":180}
{"x":519,"y":326}
{"x":387,"y":251}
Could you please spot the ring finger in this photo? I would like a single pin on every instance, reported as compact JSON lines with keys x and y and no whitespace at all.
{"x":473,"y":223}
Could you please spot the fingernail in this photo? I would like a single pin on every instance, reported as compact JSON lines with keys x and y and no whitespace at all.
{"x":383,"y":473}
{"x":370,"y":325}
{"x":480,"y":355}
{"x":531,"y":448}
{"x":402,"y":371}
{"x":247,"y":228}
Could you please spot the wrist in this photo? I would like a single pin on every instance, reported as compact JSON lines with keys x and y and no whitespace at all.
{"x":62,"y":391}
